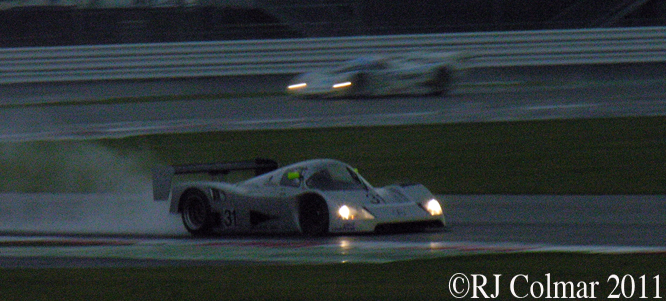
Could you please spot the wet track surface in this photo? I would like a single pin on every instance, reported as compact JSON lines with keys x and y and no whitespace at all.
{"x":473,"y":226}
{"x":117,"y":251}
{"x":477,"y":224}
{"x":489,"y":104}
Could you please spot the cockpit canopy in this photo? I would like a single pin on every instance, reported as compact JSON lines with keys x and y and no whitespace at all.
{"x":334,"y":177}
{"x":321,"y":174}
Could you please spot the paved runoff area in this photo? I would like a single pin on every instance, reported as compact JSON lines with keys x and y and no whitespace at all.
{"x":27,"y":251}
{"x":86,"y":230}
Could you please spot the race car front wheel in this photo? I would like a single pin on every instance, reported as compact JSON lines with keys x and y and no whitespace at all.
{"x":196,"y":213}
{"x":313,"y":216}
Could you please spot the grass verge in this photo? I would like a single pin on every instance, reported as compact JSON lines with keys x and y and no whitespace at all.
{"x":586,"y":156}
{"x":408,"y":280}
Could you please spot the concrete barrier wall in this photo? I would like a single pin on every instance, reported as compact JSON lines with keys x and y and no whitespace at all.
{"x":288,"y":56}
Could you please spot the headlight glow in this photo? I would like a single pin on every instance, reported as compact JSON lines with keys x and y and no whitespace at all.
{"x":342,"y":85}
{"x":350,"y":213}
{"x":297,"y":86}
{"x":345,"y":213}
{"x":433,"y":207}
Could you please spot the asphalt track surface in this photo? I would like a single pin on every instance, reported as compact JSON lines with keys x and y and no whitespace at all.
{"x":86,"y":230}
{"x":502,"y":103}
{"x":472,"y":220}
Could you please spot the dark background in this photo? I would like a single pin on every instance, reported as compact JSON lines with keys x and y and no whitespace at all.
{"x":143,"y":22}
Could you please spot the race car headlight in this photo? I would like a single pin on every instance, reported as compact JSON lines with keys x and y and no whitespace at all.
{"x":342,"y":85}
{"x":345,"y":213}
{"x":297,"y":86}
{"x":350,"y":213}
{"x":433,"y":207}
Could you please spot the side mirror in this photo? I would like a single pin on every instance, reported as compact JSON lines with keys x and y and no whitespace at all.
{"x":293,"y":175}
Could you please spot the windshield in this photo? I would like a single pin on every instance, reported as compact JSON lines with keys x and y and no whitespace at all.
{"x":335,"y":177}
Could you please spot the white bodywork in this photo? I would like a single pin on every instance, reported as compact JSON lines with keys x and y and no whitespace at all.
{"x":272,"y":202}
{"x":409,"y":74}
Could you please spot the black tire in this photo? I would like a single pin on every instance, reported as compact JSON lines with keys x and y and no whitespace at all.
{"x":196,"y":213}
{"x":442,"y":82}
{"x":313,"y":216}
{"x":360,"y":83}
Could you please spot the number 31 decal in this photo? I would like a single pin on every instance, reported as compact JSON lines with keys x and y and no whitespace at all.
{"x":229,"y":218}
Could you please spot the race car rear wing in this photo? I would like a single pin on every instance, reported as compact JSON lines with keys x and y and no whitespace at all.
{"x":163,"y":174}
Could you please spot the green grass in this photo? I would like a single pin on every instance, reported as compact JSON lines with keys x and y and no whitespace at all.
{"x":408,"y":280}
{"x":587,"y":156}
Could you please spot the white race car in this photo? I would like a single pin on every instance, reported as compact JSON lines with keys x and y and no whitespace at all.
{"x":409,"y":74}
{"x":314,"y":197}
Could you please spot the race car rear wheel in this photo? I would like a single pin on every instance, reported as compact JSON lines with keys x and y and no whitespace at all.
{"x":196,"y":213}
{"x":360,"y":88}
{"x":313,"y":216}
{"x":442,"y":82}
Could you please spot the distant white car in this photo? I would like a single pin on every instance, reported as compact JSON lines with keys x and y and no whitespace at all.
{"x":408,"y":74}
